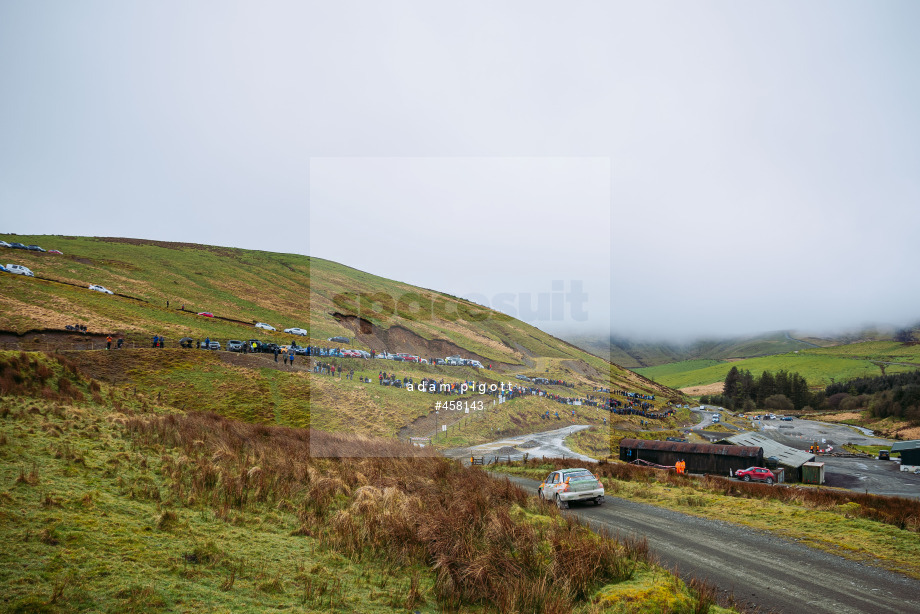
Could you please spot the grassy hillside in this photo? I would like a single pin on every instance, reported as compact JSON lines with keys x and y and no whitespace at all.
{"x":241,"y":287}
{"x":112,"y":501}
{"x":820,"y":366}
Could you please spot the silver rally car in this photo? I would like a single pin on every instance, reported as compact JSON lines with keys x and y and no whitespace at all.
{"x":566,"y":485}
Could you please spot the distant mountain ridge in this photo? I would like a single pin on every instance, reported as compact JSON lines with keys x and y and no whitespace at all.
{"x":633,"y":354}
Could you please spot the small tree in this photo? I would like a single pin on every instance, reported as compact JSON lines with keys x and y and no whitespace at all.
{"x":732,"y":378}
{"x":778,"y":402}
{"x":834,"y":400}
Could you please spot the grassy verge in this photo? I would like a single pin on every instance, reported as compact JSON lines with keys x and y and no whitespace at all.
{"x":883,"y":531}
{"x":593,"y":442}
{"x":870,"y":450}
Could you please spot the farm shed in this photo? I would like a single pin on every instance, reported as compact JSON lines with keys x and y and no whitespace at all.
{"x":788,"y":458}
{"x":700,"y":457}
{"x":813,"y":473}
{"x":910,"y":452}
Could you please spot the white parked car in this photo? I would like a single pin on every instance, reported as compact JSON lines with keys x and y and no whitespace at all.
{"x":477,"y":364}
{"x":296,"y":331}
{"x":102,"y":289}
{"x":567,"y":485}
{"x":18,"y":269}
{"x":4,"y":244}
{"x":265,"y":326}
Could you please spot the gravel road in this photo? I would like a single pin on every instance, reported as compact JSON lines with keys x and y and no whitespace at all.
{"x":758,"y":568}
{"x":547,"y":443}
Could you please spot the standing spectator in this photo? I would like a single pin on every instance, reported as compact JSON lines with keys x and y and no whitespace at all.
{"x":167,"y":303}
{"x":156,"y":339}
{"x":285,"y":360}
{"x":291,"y":356}
{"x":207,"y":343}
{"x":121,"y":342}
{"x":108,"y":342}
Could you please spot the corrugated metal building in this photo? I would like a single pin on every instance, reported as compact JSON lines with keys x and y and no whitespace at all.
{"x":910,"y":451}
{"x":788,"y":458}
{"x":700,"y":457}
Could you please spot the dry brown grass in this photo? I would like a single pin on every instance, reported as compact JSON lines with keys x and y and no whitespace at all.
{"x":382,"y":499}
{"x":52,"y":378}
{"x":695,"y":391}
{"x":841,"y":417}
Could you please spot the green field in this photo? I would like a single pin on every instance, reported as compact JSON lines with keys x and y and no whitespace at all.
{"x":661,"y":372}
{"x":820,"y":366}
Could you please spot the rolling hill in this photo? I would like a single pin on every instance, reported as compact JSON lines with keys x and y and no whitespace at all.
{"x":634,"y":354}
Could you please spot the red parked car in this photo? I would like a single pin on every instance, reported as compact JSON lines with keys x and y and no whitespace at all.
{"x":206,"y":314}
{"x":758,"y":474}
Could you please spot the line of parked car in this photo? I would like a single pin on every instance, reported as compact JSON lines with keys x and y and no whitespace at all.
{"x":257,"y":346}
{"x":238,"y":346}
{"x":18,"y":269}
{"x":31,"y":248}
{"x":292,"y":331}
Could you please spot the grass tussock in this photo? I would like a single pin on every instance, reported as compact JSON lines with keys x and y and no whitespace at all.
{"x":51,"y":377}
{"x":402,"y":505}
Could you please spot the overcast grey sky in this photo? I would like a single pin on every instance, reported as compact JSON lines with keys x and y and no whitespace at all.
{"x":742,"y":167}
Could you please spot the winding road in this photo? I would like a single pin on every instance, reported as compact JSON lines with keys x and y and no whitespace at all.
{"x":547,"y":443}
